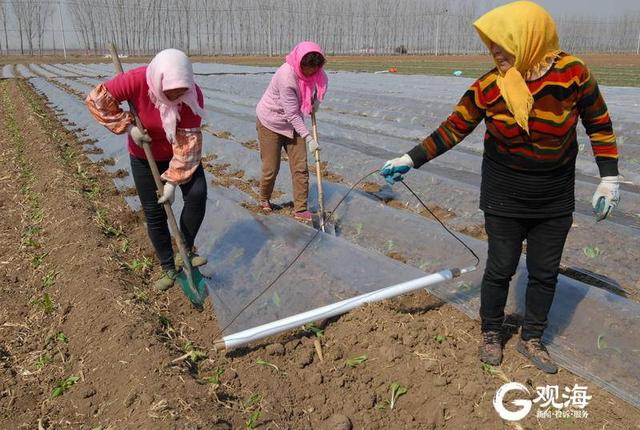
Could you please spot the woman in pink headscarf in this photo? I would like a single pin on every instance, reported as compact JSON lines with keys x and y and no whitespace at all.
{"x":170,"y":107}
{"x":296,"y":89}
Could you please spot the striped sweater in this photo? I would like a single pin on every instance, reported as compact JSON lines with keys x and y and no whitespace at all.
{"x":530,"y":175}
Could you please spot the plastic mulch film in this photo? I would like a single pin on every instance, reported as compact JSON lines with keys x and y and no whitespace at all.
{"x":7,"y":71}
{"x":591,"y":332}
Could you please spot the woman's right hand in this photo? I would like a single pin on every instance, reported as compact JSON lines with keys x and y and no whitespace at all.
{"x":139,"y":136}
{"x":393,"y":170}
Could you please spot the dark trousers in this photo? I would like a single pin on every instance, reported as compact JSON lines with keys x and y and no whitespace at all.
{"x":194,"y":195}
{"x":545,"y":241}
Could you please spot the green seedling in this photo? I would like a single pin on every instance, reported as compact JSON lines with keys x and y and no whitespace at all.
{"x":68,"y":155}
{"x":39,"y":259}
{"x":49,"y":279}
{"x":215,"y":378}
{"x":140,"y":264}
{"x":94,"y":192}
{"x":266,"y":363}
{"x":44,"y":303}
{"x":396,"y":391}
{"x":61,"y":337}
{"x":125,"y":246}
{"x":64,"y":385}
{"x":464,"y":286}
{"x":28,"y":237}
{"x":253,"y":419}
{"x":275,"y":298}
{"x":439,"y":338}
{"x":140,"y":295}
{"x":356,"y":361}
{"x":591,"y":251}
{"x":37,"y":215}
{"x":390,"y":245}
{"x":359,"y":227}
{"x":252,"y":400}
{"x":30,"y":243}
{"x":42,"y":361}
{"x":602,"y":345}
{"x":81,"y":173}
{"x":58,"y":337}
{"x":192,"y":354}
{"x":164,"y":322}
{"x":318,"y":332}
{"x":106,"y":227}
{"x":488,"y":369}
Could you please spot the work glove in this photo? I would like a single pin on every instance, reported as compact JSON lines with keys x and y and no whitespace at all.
{"x":395,"y":168}
{"x":312,"y":145}
{"x":139,"y":136}
{"x":606,"y":197}
{"x":315,"y":105}
{"x":168,"y":193}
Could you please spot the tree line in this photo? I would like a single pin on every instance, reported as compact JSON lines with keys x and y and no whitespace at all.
{"x":272,"y":27}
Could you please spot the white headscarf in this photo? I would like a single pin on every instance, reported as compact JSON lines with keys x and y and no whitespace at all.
{"x":171,"y":69}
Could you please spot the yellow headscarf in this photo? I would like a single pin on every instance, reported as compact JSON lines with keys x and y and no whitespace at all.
{"x":528,"y":32}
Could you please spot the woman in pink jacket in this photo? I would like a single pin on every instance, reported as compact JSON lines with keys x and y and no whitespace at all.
{"x":170,"y":107}
{"x":296,"y":89}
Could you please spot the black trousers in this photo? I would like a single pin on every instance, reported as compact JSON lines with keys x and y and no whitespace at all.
{"x":194,"y":195}
{"x":545,"y":241}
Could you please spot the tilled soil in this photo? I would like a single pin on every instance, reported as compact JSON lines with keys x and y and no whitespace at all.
{"x":85,"y":342}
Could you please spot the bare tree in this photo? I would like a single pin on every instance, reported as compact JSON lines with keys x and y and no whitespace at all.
{"x":3,"y":17}
{"x":23,"y":11}
{"x":272,"y":27}
{"x":42,"y":13}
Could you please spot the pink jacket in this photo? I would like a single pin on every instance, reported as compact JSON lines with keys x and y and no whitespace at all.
{"x":279,"y":107}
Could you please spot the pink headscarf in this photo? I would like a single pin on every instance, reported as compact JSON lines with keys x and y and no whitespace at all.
{"x":306,"y":84}
{"x":171,"y":69}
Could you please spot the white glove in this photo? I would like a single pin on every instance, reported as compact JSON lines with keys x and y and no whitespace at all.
{"x":606,"y":197}
{"x":316,"y":105}
{"x":311,"y":144}
{"x":395,"y":168}
{"x":168,"y":193}
{"x":139,"y":136}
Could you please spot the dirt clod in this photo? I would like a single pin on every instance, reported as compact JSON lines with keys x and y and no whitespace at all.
{"x":337,"y":422}
{"x":275,"y":349}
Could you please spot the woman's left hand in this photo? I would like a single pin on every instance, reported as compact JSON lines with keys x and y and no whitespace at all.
{"x":312,"y":144}
{"x":168,"y":193}
{"x":606,"y":197}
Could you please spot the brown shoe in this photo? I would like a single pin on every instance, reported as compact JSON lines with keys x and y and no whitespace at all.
{"x":491,"y":348}
{"x":536,"y":352}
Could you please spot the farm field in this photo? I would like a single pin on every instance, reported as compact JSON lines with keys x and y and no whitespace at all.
{"x":78,"y":311}
{"x":610,"y":69}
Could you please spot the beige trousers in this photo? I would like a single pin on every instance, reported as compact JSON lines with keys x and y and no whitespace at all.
{"x":271,"y":144}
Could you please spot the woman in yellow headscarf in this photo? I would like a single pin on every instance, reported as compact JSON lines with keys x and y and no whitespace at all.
{"x":530,"y":103}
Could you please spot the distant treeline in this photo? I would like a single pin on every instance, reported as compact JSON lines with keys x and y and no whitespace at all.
{"x":272,"y":27}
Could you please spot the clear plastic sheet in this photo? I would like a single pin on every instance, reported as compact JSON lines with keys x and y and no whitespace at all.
{"x":591,"y":332}
{"x":23,"y":71}
{"x":7,"y":71}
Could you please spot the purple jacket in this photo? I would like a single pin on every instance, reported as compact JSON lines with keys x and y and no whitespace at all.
{"x":279,"y":107}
